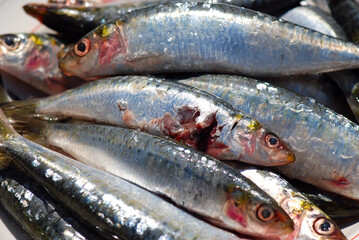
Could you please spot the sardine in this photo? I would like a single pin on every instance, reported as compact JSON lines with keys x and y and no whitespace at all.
{"x":201,"y":37}
{"x":189,"y":178}
{"x":114,"y":207}
{"x":35,"y":211}
{"x":33,"y":58}
{"x":310,"y":222}
{"x":79,"y":19}
{"x":184,"y":113}
{"x":324,"y":142}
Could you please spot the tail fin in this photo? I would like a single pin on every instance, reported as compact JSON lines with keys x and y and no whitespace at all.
{"x":5,"y":126}
{"x":19,"y":112}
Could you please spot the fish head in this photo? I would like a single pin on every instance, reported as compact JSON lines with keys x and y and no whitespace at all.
{"x":259,"y":146}
{"x":33,"y":55}
{"x":97,"y":52}
{"x":255,"y":215}
{"x":310,"y":223}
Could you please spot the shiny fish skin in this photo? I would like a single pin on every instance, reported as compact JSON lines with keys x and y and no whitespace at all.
{"x":324,"y":142}
{"x":33,"y":58}
{"x":77,"y":20}
{"x":346,"y":13}
{"x":108,"y":203}
{"x":35,"y":211}
{"x":189,"y":178}
{"x":207,"y":38}
{"x":166,"y":108}
{"x":316,"y":19}
{"x":320,"y":87}
{"x":303,"y":212}
{"x":324,"y":23}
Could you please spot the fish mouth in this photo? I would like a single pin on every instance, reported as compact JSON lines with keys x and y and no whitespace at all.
{"x":37,"y":11}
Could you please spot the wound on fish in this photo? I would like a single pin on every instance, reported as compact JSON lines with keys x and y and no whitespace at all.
{"x":341,"y":182}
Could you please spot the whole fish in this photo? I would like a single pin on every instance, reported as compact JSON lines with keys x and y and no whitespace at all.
{"x":189,"y":178}
{"x":35,"y":211}
{"x":33,"y":58}
{"x":346,"y":13}
{"x":202,"y":37}
{"x":79,"y":19}
{"x":315,"y":19}
{"x":310,"y":222}
{"x":324,"y":142}
{"x":168,"y":108}
{"x":114,"y":207}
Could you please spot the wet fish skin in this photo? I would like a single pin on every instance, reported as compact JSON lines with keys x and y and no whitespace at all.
{"x":33,"y":58}
{"x":315,"y":19}
{"x":144,"y":41}
{"x":324,"y":142}
{"x":346,"y":13}
{"x":311,"y":223}
{"x":320,"y":87}
{"x":35,"y":211}
{"x":79,"y":19}
{"x":189,"y":178}
{"x":108,"y":203}
{"x":165,"y":108}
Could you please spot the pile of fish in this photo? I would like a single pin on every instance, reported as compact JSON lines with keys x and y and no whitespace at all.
{"x":155,"y":128}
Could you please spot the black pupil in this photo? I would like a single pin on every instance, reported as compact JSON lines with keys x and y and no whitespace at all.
{"x":273,"y":141}
{"x":266,"y":213}
{"x":325,"y":226}
{"x":81,"y":47}
{"x":9,"y":41}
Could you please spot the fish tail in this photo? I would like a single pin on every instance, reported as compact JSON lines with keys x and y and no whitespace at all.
{"x":33,"y":130}
{"x":19,"y":111}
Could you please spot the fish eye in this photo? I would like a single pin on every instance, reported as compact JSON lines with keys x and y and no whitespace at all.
{"x":82,"y":48}
{"x":324,"y":226}
{"x":265,"y":213}
{"x":11,"y":42}
{"x":272,"y":141}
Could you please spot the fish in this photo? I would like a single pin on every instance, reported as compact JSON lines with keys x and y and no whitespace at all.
{"x":33,"y":58}
{"x":324,"y":142}
{"x":189,"y":178}
{"x":317,"y":20}
{"x":346,"y":13}
{"x":81,"y":18}
{"x":114,"y":207}
{"x":165,"y":108}
{"x":311,"y":223}
{"x":202,"y":37}
{"x":35,"y":211}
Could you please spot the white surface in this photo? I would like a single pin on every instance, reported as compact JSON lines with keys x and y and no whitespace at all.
{"x":14,"y":20}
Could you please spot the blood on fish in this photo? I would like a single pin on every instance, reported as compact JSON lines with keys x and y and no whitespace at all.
{"x":233,"y":213}
{"x":37,"y":60}
{"x":111,"y":47}
{"x":341,"y":182}
{"x":129,"y":119}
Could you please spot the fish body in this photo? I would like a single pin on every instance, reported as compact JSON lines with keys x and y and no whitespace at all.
{"x":35,"y":211}
{"x":324,"y":142}
{"x":202,"y":37}
{"x":316,"y":19}
{"x":33,"y":58}
{"x":311,"y":223}
{"x":168,"y":108}
{"x":114,"y":207}
{"x":189,"y":178}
